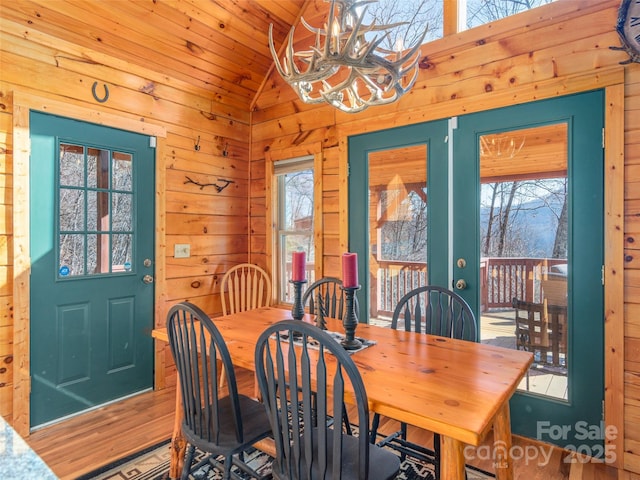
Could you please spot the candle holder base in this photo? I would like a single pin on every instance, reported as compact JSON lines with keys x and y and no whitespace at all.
{"x":354,"y":344}
{"x":297,"y":309}
{"x":350,"y":320}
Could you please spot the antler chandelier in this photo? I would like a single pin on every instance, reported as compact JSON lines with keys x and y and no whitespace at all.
{"x":345,"y":68}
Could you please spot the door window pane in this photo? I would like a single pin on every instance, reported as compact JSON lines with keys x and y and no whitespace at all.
{"x":480,"y":12}
{"x":98,"y":168}
{"x":524,"y":250}
{"x":90,"y":211}
{"x":97,"y":211}
{"x":122,"y":171}
{"x":71,"y":165}
{"x":121,"y":248}
{"x":122,"y":211}
{"x":72,"y":255}
{"x":397,"y":226}
{"x":71,"y":210}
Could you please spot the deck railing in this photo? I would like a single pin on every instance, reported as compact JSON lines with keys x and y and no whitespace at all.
{"x":505,"y":278}
{"x":501,"y":280}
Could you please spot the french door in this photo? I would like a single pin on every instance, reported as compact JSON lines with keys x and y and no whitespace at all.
{"x":506,"y":208}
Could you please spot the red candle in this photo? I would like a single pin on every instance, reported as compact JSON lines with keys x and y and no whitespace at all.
{"x":350,"y":270}
{"x":299,"y":268}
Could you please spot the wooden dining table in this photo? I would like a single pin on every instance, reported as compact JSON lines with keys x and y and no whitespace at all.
{"x":456,"y":388}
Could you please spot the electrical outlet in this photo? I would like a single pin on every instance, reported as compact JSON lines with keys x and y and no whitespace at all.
{"x":182,"y":250}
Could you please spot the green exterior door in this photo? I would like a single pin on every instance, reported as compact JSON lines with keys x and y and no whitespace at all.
{"x":92,"y":251}
{"x":560,"y":401}
{"x":572,"y":415}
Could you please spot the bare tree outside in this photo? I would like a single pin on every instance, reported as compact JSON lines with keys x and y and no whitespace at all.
{"x":413,"y":15}
{"x":524,"y":218}
{"x":480,"y":12}
{"x":405,"y":236}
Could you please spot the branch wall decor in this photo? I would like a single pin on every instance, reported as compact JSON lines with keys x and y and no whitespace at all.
{"x":219,"y":188}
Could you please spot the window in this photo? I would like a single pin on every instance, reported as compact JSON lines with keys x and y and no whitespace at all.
{"x":480,"y":12}
{"x":95,"y":211}
{"x":294,"y":219}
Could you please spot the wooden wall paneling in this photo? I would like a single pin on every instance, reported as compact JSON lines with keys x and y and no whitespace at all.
{"x":632,"y":286}
{"x":269,"y":197}
{"x":632,"y":324}
{"x":72,"y":58}
{"x":198,"y":265}
{"x":196,"y":203}
{"x":53,"y":80}
{"x":179,"y":223}
{"x":21,"y":263}
{"x":160,"y":265}
{"x":614,"y":411}
{"x":304,"y":121}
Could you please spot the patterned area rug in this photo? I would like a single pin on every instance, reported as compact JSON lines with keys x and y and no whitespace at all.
{"x":154,"y":465}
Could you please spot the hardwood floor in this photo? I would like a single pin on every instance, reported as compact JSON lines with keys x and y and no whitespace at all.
{"x":82,"y":444}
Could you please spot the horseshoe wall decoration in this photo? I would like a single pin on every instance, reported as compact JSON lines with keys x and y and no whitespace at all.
{"x":95,"y":95}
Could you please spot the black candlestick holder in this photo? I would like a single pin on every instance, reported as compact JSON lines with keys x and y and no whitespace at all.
{"x":350,"y":320}
{"x":297,"y":309}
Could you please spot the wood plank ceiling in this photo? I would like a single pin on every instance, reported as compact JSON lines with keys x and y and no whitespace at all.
{"x":220,"y":46}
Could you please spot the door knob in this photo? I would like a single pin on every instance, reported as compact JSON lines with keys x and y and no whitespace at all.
{"x":461,"y":284}
{"x":147,"y":279}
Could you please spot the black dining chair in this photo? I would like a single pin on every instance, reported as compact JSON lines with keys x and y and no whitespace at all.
{"x":217,"y":420}
{"x":436,"y":311}
{"x":326,"y":295}
{"x":305,"y":376}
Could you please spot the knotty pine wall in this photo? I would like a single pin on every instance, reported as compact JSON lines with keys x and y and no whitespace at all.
{"x":558,"y":49}
{"x":58,"y":77}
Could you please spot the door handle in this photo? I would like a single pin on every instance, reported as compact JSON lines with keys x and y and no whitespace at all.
{"x":147,"y":279}
{"x":461,"y":284}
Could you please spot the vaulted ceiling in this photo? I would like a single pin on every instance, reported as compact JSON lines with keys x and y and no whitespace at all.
{"x":217,"y":45}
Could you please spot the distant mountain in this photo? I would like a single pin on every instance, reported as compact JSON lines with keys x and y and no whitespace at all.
{"x":532,"y":228}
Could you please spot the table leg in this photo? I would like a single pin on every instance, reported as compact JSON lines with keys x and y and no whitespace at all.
{"x":178,"y":442}
{"x":502,"y":444}
{"x":451,"y":458}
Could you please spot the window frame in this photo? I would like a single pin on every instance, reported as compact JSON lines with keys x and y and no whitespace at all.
{"x":282,"y":168}
{"x":310,"y":153}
